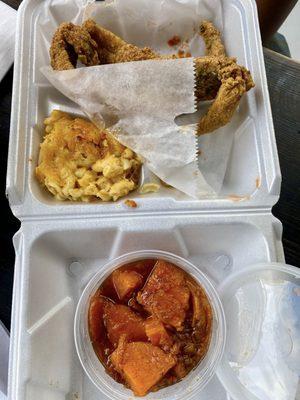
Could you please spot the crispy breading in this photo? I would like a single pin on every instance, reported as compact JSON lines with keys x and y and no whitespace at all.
{"x":217,"y":76}
{"x":212,"y":39}
{"x":71,"y":43}
{"x":112,"y":49}
{"x":234,"y":83}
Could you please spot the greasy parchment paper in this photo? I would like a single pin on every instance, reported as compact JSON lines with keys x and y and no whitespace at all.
{"x":139,"y":101}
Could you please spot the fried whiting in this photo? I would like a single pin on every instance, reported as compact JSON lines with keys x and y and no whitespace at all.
{"x":80,"y":162}
{"x":218,"y":77}
{"x":71,"y":43}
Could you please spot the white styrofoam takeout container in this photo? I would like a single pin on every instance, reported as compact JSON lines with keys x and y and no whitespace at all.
{"x":56,"y":260}
{"x":61,"y":245}
{"x":252,"y":178}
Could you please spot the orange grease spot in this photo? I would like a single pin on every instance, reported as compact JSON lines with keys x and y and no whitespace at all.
{"x":235,"y":197}
{"x":257,"y":182}
{"x":174,"y":41}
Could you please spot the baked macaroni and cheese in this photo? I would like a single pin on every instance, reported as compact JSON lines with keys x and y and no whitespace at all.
{"x":80,"y":162}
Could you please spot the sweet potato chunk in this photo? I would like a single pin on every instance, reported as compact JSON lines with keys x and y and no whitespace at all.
{"x":95,"y":317}
{"x":125,"y":282}
{"x":120,"y":320}
{"x":196,"y":300}
{"x":142,"y":365}
{"x":157,"y":333}
{"x":166,"y":295}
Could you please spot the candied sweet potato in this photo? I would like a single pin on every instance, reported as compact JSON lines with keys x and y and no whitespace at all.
{"x":166,"y":295}
{"x":150,"y":324}
{"x":202,"y":312}
{"x":121,"y":320}
{"x":196,"y":301}
{"x":95,"y":317}
{"x":142,"y":365}
{"x":125,"y":282}
{"x":157,"y":333}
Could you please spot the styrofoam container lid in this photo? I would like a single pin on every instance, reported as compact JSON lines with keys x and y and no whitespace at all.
{"x":262,"y":350}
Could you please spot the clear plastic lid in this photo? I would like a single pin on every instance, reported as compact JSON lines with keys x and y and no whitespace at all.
{"x":262,"y":352}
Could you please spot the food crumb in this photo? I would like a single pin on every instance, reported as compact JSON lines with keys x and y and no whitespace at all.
{"x":130,"y":203}
{"x":174,"y":41}
{"x":182,"y":54}
{"x":257,"y":183}
{"x":30,"y":159}
{"x":149,"y":188}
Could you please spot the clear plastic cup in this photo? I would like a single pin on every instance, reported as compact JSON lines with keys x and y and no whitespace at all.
{"x":195,"y":381}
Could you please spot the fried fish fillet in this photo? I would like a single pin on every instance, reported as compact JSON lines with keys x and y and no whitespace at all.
{"x":217,"y":76}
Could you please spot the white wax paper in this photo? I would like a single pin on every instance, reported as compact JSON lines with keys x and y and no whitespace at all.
{"x":140,"y":100}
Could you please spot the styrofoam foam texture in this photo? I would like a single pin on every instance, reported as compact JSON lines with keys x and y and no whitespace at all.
{"x":56,"y":260}
{"x":252,"y":178}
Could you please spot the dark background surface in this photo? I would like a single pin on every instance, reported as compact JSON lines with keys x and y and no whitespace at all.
{"x":287,"y":209}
